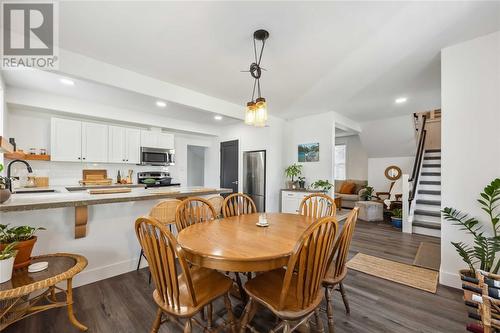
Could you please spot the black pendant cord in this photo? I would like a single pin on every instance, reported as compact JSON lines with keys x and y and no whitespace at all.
{"x":253,"y":91}
{"x":258,"y":87}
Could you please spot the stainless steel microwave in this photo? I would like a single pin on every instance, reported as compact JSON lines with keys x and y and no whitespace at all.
{"x":157,"y":156}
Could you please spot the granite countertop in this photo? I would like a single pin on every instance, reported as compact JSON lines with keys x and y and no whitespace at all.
{"x":302,"y":190}
{"x":64,"y":198}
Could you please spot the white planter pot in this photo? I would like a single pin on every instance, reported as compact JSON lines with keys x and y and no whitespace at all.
{"x":6,"y":267}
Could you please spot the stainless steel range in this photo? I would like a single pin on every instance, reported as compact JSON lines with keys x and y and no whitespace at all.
{"x":155,"y":179}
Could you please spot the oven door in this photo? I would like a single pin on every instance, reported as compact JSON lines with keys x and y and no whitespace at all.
{"x":154,"y":156}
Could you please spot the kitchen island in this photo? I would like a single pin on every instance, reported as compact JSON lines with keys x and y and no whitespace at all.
{"x":110,"y":245}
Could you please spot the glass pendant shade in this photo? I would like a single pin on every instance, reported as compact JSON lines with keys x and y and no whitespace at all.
{"x":250,"y":113}
{"x":260,"y":112}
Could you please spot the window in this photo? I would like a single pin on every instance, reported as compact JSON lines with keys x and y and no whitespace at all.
{"x":340,"y":161}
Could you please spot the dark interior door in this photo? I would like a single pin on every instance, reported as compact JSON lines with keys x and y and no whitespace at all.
{"x":229,"y":165}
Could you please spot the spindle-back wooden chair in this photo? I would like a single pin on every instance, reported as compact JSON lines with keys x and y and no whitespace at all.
{"x":238,"y":204}
{"x":193,"y":210}
{"x":317,"y":205}
{"x":181,"y":291}
{"x":337,"y":269}
{"x":293,"y":293}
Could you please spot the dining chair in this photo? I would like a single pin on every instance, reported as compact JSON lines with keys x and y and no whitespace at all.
{"x":293,"y":293}
{"x":217,"y":202}
{"x":238,"y":204}
{"x":317,"y":205}
{"x":337,"y":269}
{"x":181,"y":291}
{"x":193,"y":210}
{"x":164,"y":212}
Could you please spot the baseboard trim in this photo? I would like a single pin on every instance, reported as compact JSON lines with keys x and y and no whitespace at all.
{"x":450,"y":279}
{"x":92,"y":275}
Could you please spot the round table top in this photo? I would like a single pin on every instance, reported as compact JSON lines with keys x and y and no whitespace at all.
{"x":62,"y":266}
{"x":237,"y":244}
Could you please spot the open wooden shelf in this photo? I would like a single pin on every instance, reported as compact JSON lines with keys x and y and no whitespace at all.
{"x":5,"y":145}
{"x":29,"y":157}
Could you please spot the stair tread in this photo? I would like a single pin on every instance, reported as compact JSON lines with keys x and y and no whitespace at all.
{"x":429,"y":192}
{"x":427,"y":212}
{"x":431,"y":165}
{"x":429,"y":202}
{"x":433,"y":150}
{"x":430,"y":182}
{"x":428,"y":225}
{"x":431,"y":173}
{"x":432,"y":157}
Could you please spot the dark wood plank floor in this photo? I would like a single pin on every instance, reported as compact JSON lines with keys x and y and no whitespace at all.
{"x":124,"y":303}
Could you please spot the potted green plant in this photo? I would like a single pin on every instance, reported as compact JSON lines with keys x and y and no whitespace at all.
{"x":7,"y":256}
{"x":324,"y":185}
{"x":483,"y":253}
{"x":302,"y":182}
{"x":25,"y":239}
{"x":4,"y":187}
{"x":397,"y":218}
{"x":291,"y":172}
{"x":367,"y":193}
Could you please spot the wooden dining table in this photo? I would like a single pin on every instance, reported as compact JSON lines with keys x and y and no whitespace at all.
{"x":237,"y":244}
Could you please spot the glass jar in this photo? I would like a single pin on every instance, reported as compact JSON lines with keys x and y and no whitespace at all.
{"x":32,"y":151}
{"x":43,"y":151}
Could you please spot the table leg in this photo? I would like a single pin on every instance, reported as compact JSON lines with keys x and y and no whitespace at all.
{"x":71,"y":315}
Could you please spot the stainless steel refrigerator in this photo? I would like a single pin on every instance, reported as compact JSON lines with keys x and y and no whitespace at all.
{"x":254,"y":177}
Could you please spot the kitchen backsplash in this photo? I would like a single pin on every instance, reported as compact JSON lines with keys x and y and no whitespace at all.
{"x":69,"y":173}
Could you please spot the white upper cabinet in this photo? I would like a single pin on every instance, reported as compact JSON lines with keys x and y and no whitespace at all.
{"x":154,"y":139}
{"x":66,"y":140}
{"x":124,"y":145}
{"x":94,"y":142}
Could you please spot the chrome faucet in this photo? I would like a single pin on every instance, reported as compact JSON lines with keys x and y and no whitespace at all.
{"x":30,"y":170}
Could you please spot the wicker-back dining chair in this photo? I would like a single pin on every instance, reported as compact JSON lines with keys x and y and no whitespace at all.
{"x":181,"y":291}
{"x":238,"y":204}
{"x":337,"y":269}
{"x":293,"y":293}
{"x":193,"y":210}
{"x":317,"y":205}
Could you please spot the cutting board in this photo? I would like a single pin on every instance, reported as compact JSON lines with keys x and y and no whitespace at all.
{"x":110,"y":190}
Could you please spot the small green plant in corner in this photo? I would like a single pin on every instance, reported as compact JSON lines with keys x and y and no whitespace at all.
{"x":293,"y":171}
{"x":324,"y":185}
{"x":483,"y":253}
{"x":8,"y":252}
{"x":367,"y":193}
{"x":16,"y":234}
{"x":397,"y":213}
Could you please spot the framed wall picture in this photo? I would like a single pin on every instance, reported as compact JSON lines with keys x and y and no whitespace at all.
{"x":308,"y":152}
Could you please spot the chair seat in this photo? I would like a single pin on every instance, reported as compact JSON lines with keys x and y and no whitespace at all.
{"x":208,"y":285}
{"x":330,"y":278}
{"x":266,"y":289}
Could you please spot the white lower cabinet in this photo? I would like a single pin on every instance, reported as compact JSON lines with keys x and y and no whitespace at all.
{"x":290,"y":201}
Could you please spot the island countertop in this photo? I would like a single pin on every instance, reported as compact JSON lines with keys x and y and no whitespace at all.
{"x":64,"y":198}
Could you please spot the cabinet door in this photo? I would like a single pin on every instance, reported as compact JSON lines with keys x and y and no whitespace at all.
{"x":94,"y":142}
{"x":289,"y":203}
{"x":166,"y":141}
{"x":66,"y":140}
{"x":149,"y":139}
{"x":132,"y":146}
{"x":116,"y":144}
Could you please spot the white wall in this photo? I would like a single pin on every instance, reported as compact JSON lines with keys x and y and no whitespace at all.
{"x":356,"y":157}
{"x":470,"y":159}
{"x":3,"y":113}
{"x":269,"y":139}
{"x":377,"y":166}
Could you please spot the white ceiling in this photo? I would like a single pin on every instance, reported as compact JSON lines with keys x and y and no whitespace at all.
{"x":48,"y":82}
{"x":354,"y":58}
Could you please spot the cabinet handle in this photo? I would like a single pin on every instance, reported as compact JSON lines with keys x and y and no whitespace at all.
{"x":79,"y":158}
{"x":84,"y":158}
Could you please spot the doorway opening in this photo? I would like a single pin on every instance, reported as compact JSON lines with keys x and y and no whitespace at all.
{"x":195,"y":165}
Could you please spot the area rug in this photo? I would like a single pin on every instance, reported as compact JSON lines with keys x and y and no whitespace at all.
{"x":428,"y":256}
{"x":416,"y":277}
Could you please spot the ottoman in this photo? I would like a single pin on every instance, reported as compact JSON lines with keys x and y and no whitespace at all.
{"x":370,"y":210}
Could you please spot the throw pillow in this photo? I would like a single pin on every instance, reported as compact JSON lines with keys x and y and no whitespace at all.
{"x":347,"y":188}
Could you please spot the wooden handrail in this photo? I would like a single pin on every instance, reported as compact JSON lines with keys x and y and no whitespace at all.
{"x":418,"y":159}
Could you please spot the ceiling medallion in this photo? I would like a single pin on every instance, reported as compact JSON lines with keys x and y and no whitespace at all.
{"x":256,"y":111}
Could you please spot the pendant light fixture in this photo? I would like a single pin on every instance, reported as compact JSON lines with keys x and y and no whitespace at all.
{"x":256,"y":111}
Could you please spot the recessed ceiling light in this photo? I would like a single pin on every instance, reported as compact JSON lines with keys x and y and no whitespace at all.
{"x":217,"y":117}
{"x":67,"y":82}
{"x":161,"y":104}
{"x":401,"y":100}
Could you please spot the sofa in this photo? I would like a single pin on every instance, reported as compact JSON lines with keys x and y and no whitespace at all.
{"x":349,"y":200}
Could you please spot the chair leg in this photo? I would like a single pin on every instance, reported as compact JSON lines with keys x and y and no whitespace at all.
{"x":344,"y":298}
{"x":319,"y":323}
{"x":286,"y":327}
{"x":243,"y":294}
{"x":329,"y":309}
{"x":157,"y":322}
{"x":245,"y":318}
{"x":230,"y":315}
{"x":209,"y":316}
{"x":140,"y":258}
{"x":188,"y":326}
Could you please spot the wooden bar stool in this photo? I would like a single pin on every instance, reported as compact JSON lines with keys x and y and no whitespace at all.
{"x":318,"y":205}
{"x":293,"y":293}
{"x":181,"y":291}
{"x":217,"y":202}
